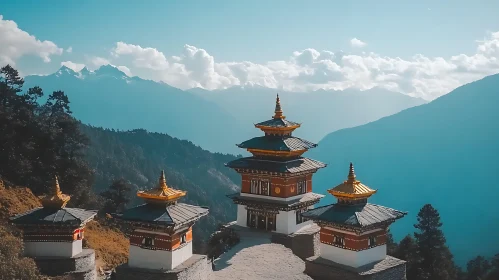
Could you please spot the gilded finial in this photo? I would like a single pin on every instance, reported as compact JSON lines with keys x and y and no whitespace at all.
{"x":162,"y":181}
{"x":55,"y":198}
{"x":162,"y":193}
{"x":278,"y":109}
{"x":351,"y":173}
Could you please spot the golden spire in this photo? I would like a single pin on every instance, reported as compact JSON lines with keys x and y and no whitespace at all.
{"x":351,"y":173}
{"x":162,"y":193}
{"x":55,"y":198}
{"x":351,"y":188}
{"x":278,"y":110}
{"x":162,"y":181}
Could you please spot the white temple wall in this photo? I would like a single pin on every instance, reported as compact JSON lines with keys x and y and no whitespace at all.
{"x":241,"y":215}
{"x":352,"y":258}
{"x":181,"y":255}
{"x":52,"y":249}
{"x":151,"y":259}
{"x":158,"y":259}
{"x":286,"y":222}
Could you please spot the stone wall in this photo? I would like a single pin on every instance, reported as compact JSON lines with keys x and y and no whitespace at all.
{"x":388,"y":269}
{"x":198,"y":267}
{"x":79,"y":267}
{"x":304,"y":244}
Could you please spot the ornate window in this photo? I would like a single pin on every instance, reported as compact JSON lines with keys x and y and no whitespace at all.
{"x":371,"y":241}
{"x":260,"y":186}
{"x":148,"y":242}
{"x":339,"y":240}
{"x":183,"y":239}
{"x":301,"y":186}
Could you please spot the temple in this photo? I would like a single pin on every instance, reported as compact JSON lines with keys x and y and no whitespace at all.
{"x":53,"y":236}
{"x":276,"y":180}
{"x":160,"y":232}
{"x":353,"y":236}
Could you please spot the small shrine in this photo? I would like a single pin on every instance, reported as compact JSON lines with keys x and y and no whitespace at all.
{"x":160,"y":234}
{"x":53,"y":236}
{"x":276,"y":180}
{"x":353,"y":234}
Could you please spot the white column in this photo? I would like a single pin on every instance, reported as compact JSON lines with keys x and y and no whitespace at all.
{"x":241,"y":215}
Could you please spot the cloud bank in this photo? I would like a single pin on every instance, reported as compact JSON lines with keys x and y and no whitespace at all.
{"x":15,"y":43}
{"x":304,"y":70}
{"x":311,"y":69}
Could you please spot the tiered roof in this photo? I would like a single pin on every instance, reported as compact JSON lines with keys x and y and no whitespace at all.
{"x":162,"y":207}
{"x":352,"y":209}
{"x":54,"y":211}
{"x":277,"y":151}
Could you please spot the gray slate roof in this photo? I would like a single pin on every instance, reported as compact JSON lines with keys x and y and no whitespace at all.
{"x":308,"y":197}
{"x":47,"y":216}
{"x":277,"y":123}
{"x":292,"y":166}
{"x":277,"y":143}
{"x":174,"y":214}
{"x":362,"y":215}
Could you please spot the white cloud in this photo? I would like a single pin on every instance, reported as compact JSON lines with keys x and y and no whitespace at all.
{"x":97,"y":62}
{"x":15,"y":43}
{"x":356,"y":43}
{"x":69,"y":50}
{"x":310,"y":69}
{"x":125,"y":70}
{"x":73,"y":66}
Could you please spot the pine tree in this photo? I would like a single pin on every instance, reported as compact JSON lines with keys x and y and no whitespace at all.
{"x":477,"y":268}
{"x":118,"y":196}
{"x":391,"y":246}
{"x":406,"y":250}
{"x":434,"y":260}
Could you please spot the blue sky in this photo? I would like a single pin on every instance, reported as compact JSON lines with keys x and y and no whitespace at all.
{"x":255,"y":31}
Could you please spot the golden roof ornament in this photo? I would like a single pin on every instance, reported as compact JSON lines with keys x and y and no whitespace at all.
{"x":351,"y":189}
{"x":55,"y":198}
{"x":162,"y":193}
{"x":278,"y":110}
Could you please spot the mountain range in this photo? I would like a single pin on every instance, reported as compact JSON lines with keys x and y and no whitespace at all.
{"x":443,"y":153}
{"x":320,"y":112}
{"x":214,"y":120}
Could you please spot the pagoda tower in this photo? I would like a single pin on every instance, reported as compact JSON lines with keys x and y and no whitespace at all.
{"x":276,"y":180}
{"x":161,"y":235}
{"x":353,"y":234}
{"x":53,"y":236}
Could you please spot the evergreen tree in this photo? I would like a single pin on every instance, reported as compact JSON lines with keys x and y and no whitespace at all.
{"x":406,"y":251}
{"x":40,"y":141}
{"x":434,"y":260}
{"x":117,"y":197}
{"x":477,"y":268}
{"x":391,"y":246}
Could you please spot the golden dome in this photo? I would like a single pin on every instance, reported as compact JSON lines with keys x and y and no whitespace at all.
{"x":162,"y":193}
{"x":55,"y":198}
{"x":351,"y":188}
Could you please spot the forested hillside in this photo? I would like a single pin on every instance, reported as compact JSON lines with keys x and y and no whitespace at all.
{"x":138,"y":157}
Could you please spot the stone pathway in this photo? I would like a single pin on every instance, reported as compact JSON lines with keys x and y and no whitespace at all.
{"x":255,"y":258}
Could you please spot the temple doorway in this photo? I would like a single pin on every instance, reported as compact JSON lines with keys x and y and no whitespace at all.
{"x":263,"y":221}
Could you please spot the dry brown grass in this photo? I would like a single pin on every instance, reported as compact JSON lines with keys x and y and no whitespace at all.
{"x":110,"y":245}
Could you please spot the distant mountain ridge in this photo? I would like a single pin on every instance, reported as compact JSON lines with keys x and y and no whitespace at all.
{"x":214,"y":120}
{"x":320,"y":112}
{"x":107,"y":97}
{"x":443,"y":153}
